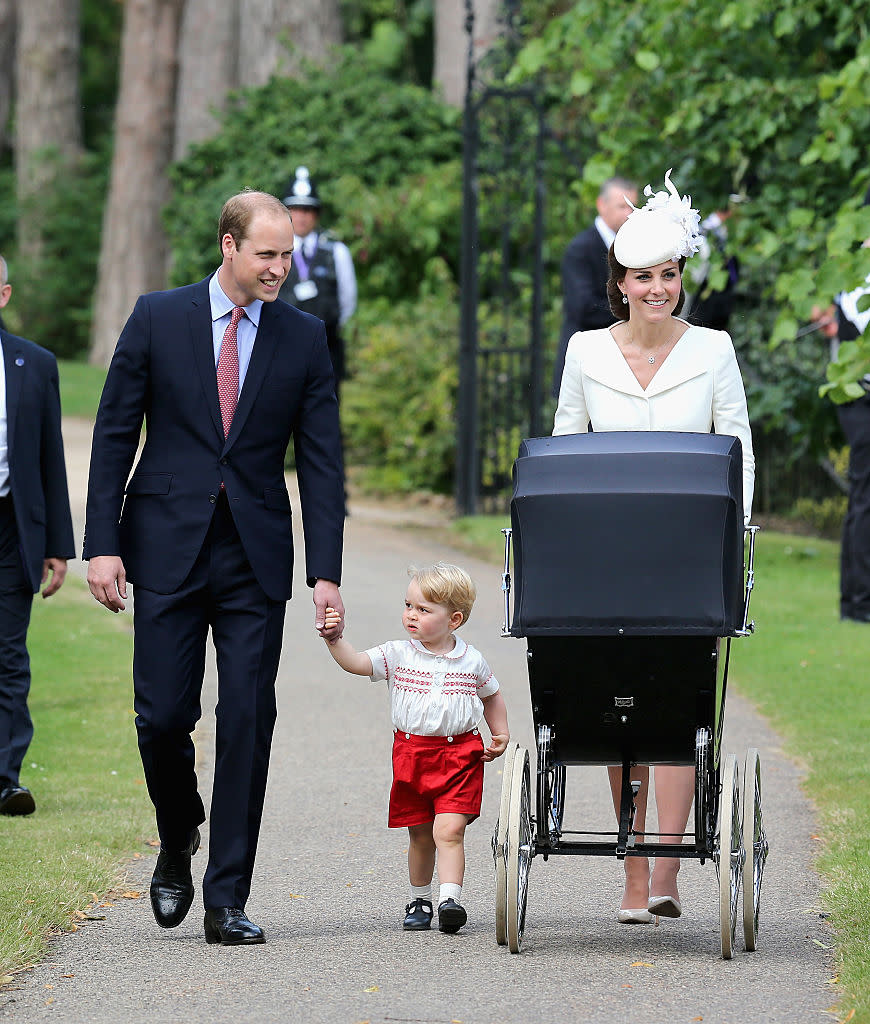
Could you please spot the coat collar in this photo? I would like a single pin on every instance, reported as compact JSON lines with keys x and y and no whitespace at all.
{"x":604,"y":362}
{"x":458,"y":651}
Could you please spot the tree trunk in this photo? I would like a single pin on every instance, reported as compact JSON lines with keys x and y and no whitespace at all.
{"x":134,"y":246}
{"x":48,"y":134}
{"x":451,"y":43}
{"x":7,"y":71}
{"x":208,"y":59}
{"x":275,"y":36}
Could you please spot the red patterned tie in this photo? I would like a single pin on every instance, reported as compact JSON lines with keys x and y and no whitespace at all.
{"x":228,"y":370}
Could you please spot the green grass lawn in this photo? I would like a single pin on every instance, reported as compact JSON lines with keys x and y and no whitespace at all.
{"x":83,"y":767}
{"x":809,"y":674}
{"x":80,"y":387}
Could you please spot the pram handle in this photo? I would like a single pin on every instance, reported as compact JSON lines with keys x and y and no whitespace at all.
{"x":748,"y":628}
{"x":506,"y":581}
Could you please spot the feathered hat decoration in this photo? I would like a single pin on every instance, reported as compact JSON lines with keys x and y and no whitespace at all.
{"x":665,"y":229}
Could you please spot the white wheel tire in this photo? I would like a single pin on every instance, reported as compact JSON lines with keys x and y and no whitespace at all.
{"x":730,"y":846}
{"x":499,"y":840}
{"x":754,"y":846}
{"x":518,"y":840}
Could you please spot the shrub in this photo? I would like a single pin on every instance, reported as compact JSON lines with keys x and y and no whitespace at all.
{"x":825,"y":516}
{"x":398,"y":408}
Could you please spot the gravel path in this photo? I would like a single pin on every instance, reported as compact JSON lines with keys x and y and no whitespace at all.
{"x":330,"y":882}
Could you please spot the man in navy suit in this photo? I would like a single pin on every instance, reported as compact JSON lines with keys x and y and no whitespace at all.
{"x":36,"y":534}
{"x":223,"y":376}
{"x":585,"y":271}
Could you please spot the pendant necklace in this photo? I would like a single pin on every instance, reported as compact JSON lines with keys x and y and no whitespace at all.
{"x":652,"y":357}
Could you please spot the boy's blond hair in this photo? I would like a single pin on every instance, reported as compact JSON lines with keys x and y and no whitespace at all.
{"x":443,"y":583}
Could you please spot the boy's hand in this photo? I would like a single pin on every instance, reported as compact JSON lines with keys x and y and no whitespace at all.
{"x":332,"y":619}
{"x":497,"y":746}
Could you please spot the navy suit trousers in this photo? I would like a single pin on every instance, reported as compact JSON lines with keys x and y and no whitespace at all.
{"x":16,"y":601}
{"x":171,"y":630}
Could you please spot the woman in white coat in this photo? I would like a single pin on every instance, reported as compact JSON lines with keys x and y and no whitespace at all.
{"x":653,"y":371}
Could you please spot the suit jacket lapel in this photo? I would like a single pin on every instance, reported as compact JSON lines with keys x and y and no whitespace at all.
{"x":14,"y":379}
{"x":261,"y":356}
{"x":202,"y":339}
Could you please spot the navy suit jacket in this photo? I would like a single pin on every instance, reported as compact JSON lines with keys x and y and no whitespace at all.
{"x":163,"y":371}
{"x":37,"y":470}
{"x":584,"y":293}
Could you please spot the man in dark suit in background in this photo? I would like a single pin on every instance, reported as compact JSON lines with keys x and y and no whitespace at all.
{"x":36,"y":534}
{"x":224,"y":375}
{"x":584,"y":269}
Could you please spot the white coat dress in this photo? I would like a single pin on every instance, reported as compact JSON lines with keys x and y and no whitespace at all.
{"x":696,"y":388}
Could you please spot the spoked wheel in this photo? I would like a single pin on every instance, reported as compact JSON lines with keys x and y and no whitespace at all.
{"x":499,"y":846}
{"x":519,"y":849}
{"x":550,"y":792}
{"x":730,"y":859}
{"x":754,"y":847}
{"x":705,"y":791}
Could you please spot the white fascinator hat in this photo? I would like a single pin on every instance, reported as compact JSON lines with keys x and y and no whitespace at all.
{"x":667,"y":228}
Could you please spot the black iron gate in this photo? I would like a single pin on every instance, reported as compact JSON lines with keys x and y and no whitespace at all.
{"x":500,"y":366}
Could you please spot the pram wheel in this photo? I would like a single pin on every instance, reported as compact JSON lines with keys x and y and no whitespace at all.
{"x":551,"y":793}
{"x":754,"y":847}
{"x":499,"y":846}
{"x":519,"y":849}
{"x":730,"y":859}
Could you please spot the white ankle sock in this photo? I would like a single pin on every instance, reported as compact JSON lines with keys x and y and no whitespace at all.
{"x":421,"y":892}
{"x":450,"y":891}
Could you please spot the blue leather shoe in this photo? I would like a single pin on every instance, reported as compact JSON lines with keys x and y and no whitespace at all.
{"x":418,"y":916}
{"x":451,"y":916}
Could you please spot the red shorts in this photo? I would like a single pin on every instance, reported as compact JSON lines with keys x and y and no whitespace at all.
{"x":435,"y":775}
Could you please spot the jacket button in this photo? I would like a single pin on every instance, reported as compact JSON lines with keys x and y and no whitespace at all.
{"x":224,"y":462}
{"x":212,"y":498}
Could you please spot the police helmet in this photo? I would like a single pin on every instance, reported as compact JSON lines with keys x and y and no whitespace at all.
{"x":302,"y":191}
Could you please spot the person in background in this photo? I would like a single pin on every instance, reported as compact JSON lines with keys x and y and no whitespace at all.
{"x":321,"y":279}
{"x":845,"y":321}
{"x":713,"y":308}
{"x":36,"y":533}
{"x":584,"y":268}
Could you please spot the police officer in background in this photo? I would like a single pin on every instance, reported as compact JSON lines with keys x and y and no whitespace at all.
{"x":321,"y":279}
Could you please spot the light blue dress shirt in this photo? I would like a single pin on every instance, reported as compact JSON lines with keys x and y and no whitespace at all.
{"x":221,"y":313}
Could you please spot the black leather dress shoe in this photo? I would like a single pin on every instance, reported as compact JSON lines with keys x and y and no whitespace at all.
{"x":16,"y":800}
{"x":418,"y":916}
{"x":230,"y":927}
{"x":172,"y":884}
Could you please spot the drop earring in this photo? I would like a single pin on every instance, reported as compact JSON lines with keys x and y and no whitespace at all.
{"x":625,"y":300}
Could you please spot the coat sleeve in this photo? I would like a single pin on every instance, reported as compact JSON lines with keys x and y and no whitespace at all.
{"x":572,"y":416}
{"x":59,"y":540}
{"x":319,"y":468}
{"x":730,"y":415}
{"x":116,"y":434}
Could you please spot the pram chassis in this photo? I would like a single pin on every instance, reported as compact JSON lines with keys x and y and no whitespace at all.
{"x":728,"y":823}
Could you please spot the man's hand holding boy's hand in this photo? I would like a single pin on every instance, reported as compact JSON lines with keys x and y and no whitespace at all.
{"x":332,"y":620}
